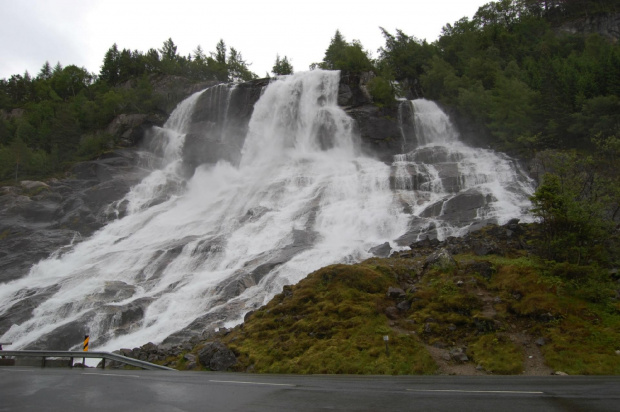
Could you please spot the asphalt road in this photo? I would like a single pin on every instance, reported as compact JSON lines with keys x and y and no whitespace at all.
{"x":56,"y":389}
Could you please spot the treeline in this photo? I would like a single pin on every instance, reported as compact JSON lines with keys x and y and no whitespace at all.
{"x":56,"y":117}
{"x":508,"y":69}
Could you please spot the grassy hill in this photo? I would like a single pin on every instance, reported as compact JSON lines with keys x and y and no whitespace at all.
{"x":484,"y":304}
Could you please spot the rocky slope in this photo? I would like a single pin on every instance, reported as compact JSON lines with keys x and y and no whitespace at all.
{"x":481,"y":304}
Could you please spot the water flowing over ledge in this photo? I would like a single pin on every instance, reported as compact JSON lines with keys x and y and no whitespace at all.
{"x":284,"y":196}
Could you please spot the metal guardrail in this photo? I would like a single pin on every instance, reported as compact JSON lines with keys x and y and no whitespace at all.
{"x":44,"y":354}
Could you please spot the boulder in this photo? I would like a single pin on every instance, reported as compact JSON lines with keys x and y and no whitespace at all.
{"x":458,"y":355}
{"x":217,"y":357}
{"x":395,"y":293}
{"x":381,"y":250}
{"x":441,"y":258}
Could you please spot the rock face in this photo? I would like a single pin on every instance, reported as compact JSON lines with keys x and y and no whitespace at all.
{"x":220,"y":123}
{"x":130,"y":128}
{"x":37,"y":218}
{"x":607,"y":25}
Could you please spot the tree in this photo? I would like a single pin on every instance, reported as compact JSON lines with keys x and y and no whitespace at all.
{"x":282,"y":66}
{"x":219,"y":64}
{"x":348,"y":57}
{"x":169,"y":58}
{"x":577,"y":205}
{"x":46,"y":72}
{"x":220,"y":52}
{"x":70,"y":81}
{"x":238,"y":70}
{"x":335,"y":53}
{"x":169,"y":50}
{"x":20,"y":154}
{"x":110,"y":70}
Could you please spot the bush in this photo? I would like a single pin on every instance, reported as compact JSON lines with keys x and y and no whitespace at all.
{"x":381,"y":91}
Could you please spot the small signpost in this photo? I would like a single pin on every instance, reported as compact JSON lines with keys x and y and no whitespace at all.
{"x":86,"y":340}
{"x":386,"y":338}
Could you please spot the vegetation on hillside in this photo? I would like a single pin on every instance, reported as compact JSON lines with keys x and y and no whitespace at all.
{"x":59,"y":116}
{"x":486,"y":311}
{"x":519,"y":80}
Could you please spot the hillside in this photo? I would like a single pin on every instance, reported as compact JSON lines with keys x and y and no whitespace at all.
{"x":482,"y":304}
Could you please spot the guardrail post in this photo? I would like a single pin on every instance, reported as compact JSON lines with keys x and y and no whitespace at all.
{"x":8,"y":361}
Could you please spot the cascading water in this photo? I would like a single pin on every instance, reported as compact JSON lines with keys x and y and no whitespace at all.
{"x":198,"y":253}
{"x":290,"y":194}
{"x":451,"y":188}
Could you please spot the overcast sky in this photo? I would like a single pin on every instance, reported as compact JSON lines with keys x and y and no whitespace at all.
{"x":81,"y":31}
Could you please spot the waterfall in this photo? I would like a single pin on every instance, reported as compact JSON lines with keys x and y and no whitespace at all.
{"x":451,"y":188}
{"x":193,"y":253}
{"x":232,"y":211}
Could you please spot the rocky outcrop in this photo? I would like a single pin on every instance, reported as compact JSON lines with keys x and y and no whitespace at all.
{"x":170,"y":90}
{"x":606,"y":25}
{"x":492,"y":239}
{"x":353,"y":90}
{"x":220,"y":123}
{"x":129,"y":129}
{"x":37,"y":219}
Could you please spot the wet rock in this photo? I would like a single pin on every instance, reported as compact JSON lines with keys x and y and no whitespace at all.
{"x":404,"y":306}
{"x":458,"y":355}
{"x":149,"y":348}
{"x":381,"y":250}
{"x":396,"y":293}
{"x":129,"y":129}
{"x":380,"y":134}
{"x":37,"y":219}
{"x":219,"y":123}
{"x":248,"y":315}
{"x":216,"y":356}
{"x":392,"y":312}
{"x":30,"y":185}
{"x":441,"y":258}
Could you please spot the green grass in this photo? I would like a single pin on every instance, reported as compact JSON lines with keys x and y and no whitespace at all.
{"x":332,"y":322}
{"x":497,"y":354}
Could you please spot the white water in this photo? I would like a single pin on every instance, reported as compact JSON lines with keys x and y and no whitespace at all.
{"x":176,"y":246}
{"x":301,"y":198}
{"x":450,"y":169}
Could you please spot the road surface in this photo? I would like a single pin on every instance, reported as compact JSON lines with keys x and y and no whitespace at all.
{"x":57,"y":389}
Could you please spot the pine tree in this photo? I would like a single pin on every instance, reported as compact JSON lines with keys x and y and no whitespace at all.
{"x":282,"y":66}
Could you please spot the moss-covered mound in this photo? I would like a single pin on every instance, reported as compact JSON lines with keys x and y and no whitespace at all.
{"x":331,"y":322}
{"x":445,"y":308}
